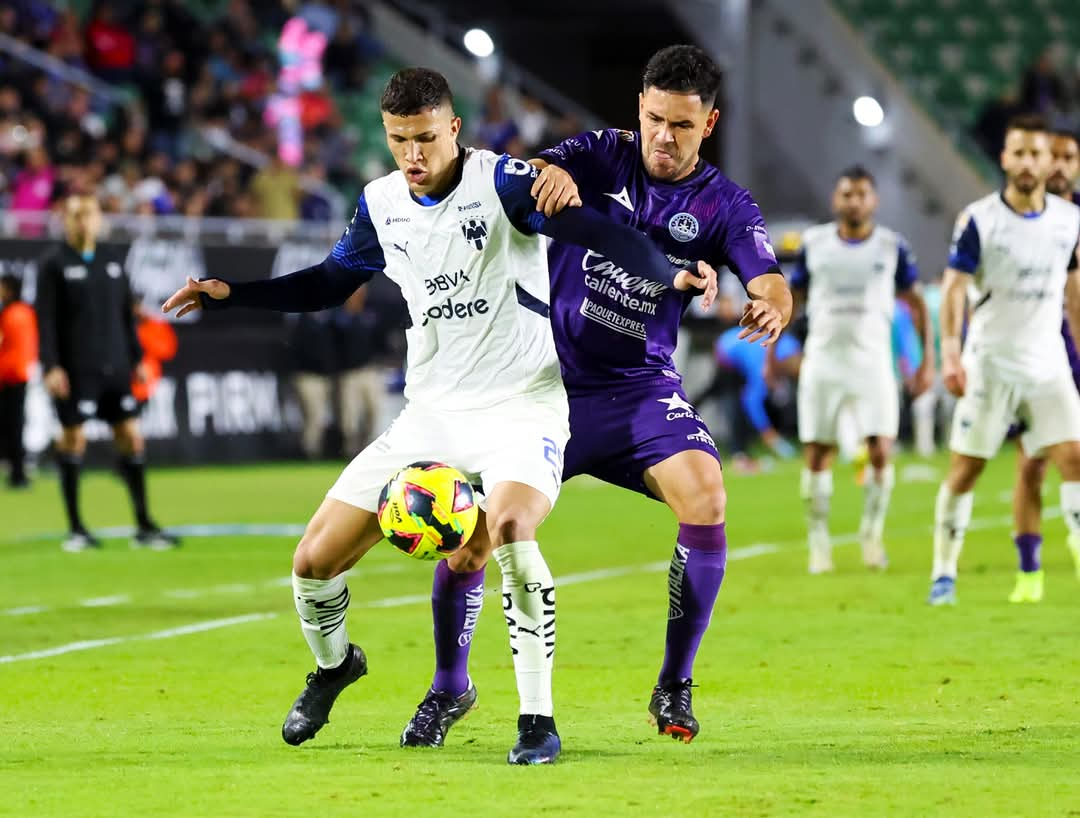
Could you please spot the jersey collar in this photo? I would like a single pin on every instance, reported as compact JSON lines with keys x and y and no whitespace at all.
{"x":431,"y":201}
{"x":1029,"y":215}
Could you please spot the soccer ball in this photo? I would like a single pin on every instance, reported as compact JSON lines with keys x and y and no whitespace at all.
{"x":427,"y":510}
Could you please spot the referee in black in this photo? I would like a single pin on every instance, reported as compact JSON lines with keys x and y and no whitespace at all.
{"x":89,"y":354}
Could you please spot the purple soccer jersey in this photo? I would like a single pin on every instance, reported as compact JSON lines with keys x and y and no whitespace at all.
{"x":612,"y":327}
{"x":615,"y":331}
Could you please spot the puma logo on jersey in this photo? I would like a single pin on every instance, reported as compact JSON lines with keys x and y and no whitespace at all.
{"x":445,"y":282}
{"x":403,"y":248}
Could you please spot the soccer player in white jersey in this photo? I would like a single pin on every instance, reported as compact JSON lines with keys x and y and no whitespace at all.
{"x":1014,"y":252}
{"x":1031,"y":471}
{"x":457,"y":231}
{"x":851,"y":271}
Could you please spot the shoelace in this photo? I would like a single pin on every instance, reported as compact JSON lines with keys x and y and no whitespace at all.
{"x":679,"y":695}
{"x":427,"y":713}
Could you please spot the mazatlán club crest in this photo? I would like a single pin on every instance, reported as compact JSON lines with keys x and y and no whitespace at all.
{"x":475,"y":232}
{"x":683,"y":227}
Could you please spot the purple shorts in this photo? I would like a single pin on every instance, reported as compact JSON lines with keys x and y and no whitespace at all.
{"x":616,"y":435}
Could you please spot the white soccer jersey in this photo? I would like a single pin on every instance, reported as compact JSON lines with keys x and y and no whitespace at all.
{"x":851,"y":295}
{"x":477,"y":290}
{"x":1019,"y":265}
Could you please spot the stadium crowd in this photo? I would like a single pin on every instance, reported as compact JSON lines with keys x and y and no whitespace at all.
{"x":191,"y":86}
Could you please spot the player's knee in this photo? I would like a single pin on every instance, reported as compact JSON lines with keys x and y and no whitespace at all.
{"x":316,"y":556}
{"x":510,"y":525}
{"x":879,"y":449}
{"x":706,"y":506}
{"x":1068,"y":462}
{"x":72,"y":440}
{"x":1032,"y":473}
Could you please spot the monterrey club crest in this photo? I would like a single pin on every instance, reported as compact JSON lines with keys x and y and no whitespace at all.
{"x":475,"y":232}
{"x":683,"y":227}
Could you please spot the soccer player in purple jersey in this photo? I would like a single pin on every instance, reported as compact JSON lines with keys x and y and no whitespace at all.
{"x":631,"y":423}
{"x":1031,"y":471}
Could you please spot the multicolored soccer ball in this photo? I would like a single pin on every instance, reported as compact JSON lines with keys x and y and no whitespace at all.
{"x":427,"y":510}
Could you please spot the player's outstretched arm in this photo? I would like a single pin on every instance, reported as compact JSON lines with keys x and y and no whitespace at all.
{"x":768,"y":311}
{"x":355,"y":258}
{"x":953,"y":295}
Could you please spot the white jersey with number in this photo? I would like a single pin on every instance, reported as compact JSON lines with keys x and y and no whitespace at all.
{"x":1019,"y":265}
{"x":851,"y":296}
{"x":477,"y":290}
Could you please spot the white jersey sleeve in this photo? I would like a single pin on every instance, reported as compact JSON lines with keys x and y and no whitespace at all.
{"x":1018,"y":264}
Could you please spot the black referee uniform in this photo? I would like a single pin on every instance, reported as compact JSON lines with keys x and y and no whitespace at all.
{"x":86,"y":322}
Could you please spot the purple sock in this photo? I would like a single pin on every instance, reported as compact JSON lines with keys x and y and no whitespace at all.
{"x":456,"y":600}
{"x":1028,"y":545}
{"x":697,"y":570}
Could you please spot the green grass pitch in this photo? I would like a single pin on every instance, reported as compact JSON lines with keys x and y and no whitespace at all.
{"x":841,"y":695}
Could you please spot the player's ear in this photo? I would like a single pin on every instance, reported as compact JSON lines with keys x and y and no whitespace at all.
{"x":455,"y":126}
{"x":710,"y":122}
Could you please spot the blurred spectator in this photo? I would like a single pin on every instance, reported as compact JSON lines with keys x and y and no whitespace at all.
{"x":312,"y":347}
{"x":989,"y":129}
{"x":276,"y":188}
{"x":361,"y":344}
{"x":1042,"y":89}
{"x":159,"y":344}
{"x":166,"y":98}
{"x":33,"y":186}
{"x":532,"y":124}
{"x":313,"y":206}
{"x":497,"y":131}
{"x":18,"y":354}
{"x":110,"y":47}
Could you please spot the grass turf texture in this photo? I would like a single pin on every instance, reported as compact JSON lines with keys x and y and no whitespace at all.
{"x":833,"y":696}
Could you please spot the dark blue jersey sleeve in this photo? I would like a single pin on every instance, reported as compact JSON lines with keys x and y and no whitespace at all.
{"x":907,"y":271}
{"x":583,"y":226}
{"x":353,"y":261}
{"x":966,"y":249}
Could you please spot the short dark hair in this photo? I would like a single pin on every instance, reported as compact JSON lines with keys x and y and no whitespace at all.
{"x":412,"y":90}
{"x":857,"y":173}
{"x":1030,"y":123}
{"x":1065,"y":133}
{"x":684,"y":69}
{"x":13,"y":283}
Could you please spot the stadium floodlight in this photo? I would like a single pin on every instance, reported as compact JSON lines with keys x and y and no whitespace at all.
{"x":479,"y":42}
{"x":868,"y":112}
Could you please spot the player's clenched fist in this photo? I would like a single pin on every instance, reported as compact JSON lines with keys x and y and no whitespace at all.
{"x":187,"y":297}
{"x":952,"y":372}
{"x":554,"y":190}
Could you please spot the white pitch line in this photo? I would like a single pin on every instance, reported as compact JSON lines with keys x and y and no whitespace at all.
{"x":105,"y":601}
{"x":168,"y":633}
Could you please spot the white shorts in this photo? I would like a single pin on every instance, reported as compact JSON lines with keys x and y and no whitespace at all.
{"x":1049,"y":412}
{"x":520,"y":441}
{"x":874,"y":400}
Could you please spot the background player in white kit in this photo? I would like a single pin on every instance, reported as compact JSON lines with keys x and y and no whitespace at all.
{"x":457,"y":231}
{"x":852,"y":271}
{"x":1015,"y":252}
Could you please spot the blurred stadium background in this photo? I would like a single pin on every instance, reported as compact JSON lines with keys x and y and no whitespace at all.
{"x":222,"y":140}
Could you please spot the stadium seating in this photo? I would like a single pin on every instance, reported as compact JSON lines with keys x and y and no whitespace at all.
{"x":957,"y":55}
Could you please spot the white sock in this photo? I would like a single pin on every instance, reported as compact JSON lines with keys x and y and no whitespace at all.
{"x":878,"y":491}
{"x":816,"y":490}
{"x":529,"y":607}
{"x":952,"y":514}
{"x":1070,"y":508}
{"x":322,"y":604}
